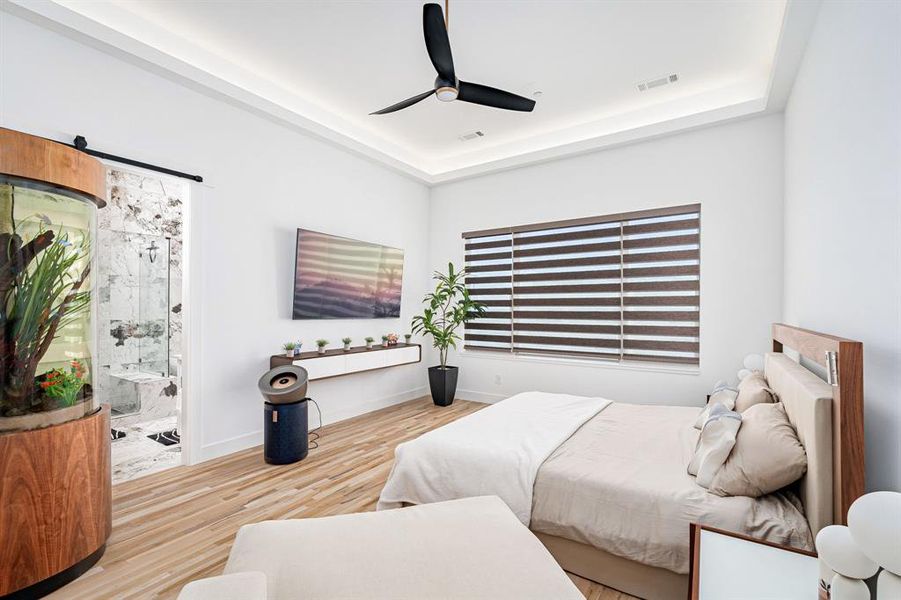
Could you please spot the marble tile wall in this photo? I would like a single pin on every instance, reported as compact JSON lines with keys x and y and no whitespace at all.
{"x":139,"y":300}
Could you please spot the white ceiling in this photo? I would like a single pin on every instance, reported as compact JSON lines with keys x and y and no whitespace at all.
{"x":326,"y":65}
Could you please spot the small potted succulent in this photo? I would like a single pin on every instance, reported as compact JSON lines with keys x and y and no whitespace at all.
{"x":369,"y":341}
{"x":407,"y":338}
{"x":320,"y":345}
{"x":289,"y":349}
{"x":385,"y":341}
{"x":347,"y":342}
{"x":392,"y":339}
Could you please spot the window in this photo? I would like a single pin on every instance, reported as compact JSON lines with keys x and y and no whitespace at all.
{"x":622,"y":287}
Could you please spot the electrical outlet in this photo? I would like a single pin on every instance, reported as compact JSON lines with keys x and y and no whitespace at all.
{"x":497,"y":380}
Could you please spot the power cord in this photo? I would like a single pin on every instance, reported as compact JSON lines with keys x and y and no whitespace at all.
{"x":314,"y":433}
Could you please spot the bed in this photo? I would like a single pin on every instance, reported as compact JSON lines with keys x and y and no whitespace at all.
{"x":610,"y":497}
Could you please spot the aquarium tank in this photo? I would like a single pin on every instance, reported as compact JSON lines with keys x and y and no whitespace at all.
{"x":45,"y":265}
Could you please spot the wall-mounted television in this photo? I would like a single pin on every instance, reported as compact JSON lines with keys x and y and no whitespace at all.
{"x":341,"y":278}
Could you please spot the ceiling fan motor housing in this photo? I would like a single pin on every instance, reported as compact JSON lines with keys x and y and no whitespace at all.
{"x":441,"y":82}
{"x":445,"y":89}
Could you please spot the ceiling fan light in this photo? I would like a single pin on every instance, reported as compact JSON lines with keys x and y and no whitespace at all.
{"x":446,"y":94}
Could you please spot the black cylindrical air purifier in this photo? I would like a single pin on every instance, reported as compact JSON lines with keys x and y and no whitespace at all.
{"x":285,"y":432}
{"x":285,"y":422}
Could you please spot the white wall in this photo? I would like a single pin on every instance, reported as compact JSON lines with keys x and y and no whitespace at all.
{"x":843,"y":206}
{"x":264,"y":181}
{"x":734,"y":171}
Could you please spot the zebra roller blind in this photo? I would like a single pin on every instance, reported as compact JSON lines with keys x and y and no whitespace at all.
{"x":622,"y":287}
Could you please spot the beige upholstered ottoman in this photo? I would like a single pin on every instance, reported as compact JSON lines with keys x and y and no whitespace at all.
{"x":463,"y":549}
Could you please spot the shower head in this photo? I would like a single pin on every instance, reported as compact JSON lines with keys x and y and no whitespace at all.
{"x":151,"y":250}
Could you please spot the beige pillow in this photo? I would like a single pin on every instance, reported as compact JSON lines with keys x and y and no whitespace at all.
{"x":752,"y":390}
{"x":767,"y":455}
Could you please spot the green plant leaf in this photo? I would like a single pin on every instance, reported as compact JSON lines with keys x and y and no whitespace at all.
{"x":446,"y":309}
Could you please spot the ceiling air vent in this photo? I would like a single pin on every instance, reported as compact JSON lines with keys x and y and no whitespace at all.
{"x":657,"y":82}
{"x":471,"y":136}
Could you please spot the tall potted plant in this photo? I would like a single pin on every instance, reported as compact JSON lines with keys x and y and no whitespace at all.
{"x":446,"y":309}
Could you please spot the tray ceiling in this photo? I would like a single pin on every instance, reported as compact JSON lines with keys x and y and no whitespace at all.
{"x":325,"y":65}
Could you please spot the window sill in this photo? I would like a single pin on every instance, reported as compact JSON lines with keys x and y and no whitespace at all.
{"x":579,"y":362}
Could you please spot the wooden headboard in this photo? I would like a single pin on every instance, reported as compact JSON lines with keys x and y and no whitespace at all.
{"x":843,"y":361}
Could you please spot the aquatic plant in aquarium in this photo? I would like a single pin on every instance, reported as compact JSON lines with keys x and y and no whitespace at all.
{"x":45,"y":300}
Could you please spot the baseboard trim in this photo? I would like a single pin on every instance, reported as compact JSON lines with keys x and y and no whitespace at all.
{"x":362,"y":409}
{"x":482,"y":397}
{"x":230,"y":445}
{"x":255,"y":438}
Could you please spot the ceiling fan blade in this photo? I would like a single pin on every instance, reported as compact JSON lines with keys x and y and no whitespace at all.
{"x":403,"y":103}
{"x":489,"y":96}
{"x":436,"y":41}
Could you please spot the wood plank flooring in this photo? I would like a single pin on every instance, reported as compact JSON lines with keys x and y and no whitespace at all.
{"x":173,"y":527}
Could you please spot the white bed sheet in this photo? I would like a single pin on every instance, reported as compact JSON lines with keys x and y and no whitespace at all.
{"x":496,"y":451}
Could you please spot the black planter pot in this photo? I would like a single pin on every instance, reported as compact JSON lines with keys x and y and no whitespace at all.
{"x":443,"y":383}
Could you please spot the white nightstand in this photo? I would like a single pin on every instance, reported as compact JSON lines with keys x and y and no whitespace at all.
{"x":730,"y":566}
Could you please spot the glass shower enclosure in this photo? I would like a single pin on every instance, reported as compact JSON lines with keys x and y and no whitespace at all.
{"x":153,"y":306}
{"x":135,"y":306}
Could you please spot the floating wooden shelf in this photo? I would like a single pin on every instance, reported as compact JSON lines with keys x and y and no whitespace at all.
{"x":338,"y":362}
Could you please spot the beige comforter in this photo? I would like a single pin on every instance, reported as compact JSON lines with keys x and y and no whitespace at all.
{"x":620,"y":484}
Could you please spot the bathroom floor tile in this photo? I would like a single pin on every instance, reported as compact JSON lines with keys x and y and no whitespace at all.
{"x":136,"y":455}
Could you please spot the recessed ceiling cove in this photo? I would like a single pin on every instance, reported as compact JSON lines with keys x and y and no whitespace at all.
{"x":606,"y":71}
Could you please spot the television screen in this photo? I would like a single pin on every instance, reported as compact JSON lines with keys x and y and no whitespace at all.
{"x":340,"y":278}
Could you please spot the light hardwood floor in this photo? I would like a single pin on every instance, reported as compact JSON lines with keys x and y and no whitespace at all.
{"x":172,"y":527}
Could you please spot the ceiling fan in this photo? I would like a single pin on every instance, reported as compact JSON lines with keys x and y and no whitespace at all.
{"x":447,"y":86}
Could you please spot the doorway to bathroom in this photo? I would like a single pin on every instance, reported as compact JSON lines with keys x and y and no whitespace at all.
{"x":139,"y":264}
